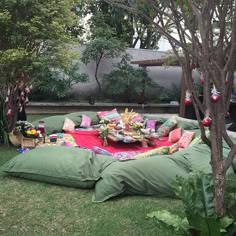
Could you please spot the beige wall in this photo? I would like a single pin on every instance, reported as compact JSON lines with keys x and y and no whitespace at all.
{"x":164,"y":76}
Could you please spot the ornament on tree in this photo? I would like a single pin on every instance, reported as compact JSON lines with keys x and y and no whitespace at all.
{"x":8,"y":92}
{"x":187,"y":100}
{"x":26,"y":100}
{"x":31,"y":88}
{"x":27,"y":90}
{"x":22,"y":94}
{"x":215,"y":95}
{"x":206,"y":121}
{"x":23,"y":99}
{"x":201,"y":79}
{"x":20,"y":108}
{"x":9,"y":112}
{"x":6,"y":100}
{"x":227,"y":115}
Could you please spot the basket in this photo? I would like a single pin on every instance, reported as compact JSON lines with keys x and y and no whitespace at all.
{"x":28,"y":142}
{"x":15,"y":138}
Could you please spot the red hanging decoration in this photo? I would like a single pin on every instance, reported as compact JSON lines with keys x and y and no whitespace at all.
{"x":227,"y":115}
{"x":6,"y":100}
{"x":26,"y":100}
{"x":202,"y":79}
{"x":187,"y":100}
{"x":206,"y":121}
{"x":20,"y":108}
{"x":27,"y":90}
{"x":215,"y":95}
{"x":9,"y":112}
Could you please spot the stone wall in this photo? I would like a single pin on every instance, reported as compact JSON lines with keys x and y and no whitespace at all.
{"x":164,"y":76}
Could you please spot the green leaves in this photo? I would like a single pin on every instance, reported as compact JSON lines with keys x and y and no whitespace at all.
{"x":196,"y":192}
{"x":176,"y":224}
{"x":102,"y":48}
{"x":126,"y":82}
{"x":34,"y":37}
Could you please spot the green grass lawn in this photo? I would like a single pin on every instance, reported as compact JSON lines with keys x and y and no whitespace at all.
{"x":29,"y":208}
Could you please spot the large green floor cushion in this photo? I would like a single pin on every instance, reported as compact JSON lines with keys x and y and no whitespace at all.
{"x":61,"y":165}
{"x":151,"y":176}
{"x":154,"y":175}
{"x":82,"y":168}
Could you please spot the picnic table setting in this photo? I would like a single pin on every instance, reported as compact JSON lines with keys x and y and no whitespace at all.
{"x":114,"y":153}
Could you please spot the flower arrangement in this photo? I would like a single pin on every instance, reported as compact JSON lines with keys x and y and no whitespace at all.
{"x":127,"y":116}
{"x":104,"y":131}
{"x":137,"y":126}
{"x":26,"y":129}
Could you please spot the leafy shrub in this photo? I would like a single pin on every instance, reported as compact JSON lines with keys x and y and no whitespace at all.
{"x":126,"y":83}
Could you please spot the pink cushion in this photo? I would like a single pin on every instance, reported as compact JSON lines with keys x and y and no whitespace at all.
{"x":69,"y":125}
{"x":137,"y":118}
{"x":151,"y":124}
{"x":186,"y":139}
{"x":175,"y":135}
{"x":86,"y":122}
{"x":112,"y":115}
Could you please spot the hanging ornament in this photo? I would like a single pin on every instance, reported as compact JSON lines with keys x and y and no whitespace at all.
{"x":9,"y":112}
{"x":26,"y":100}
{"x":187,"y":100}
{"x":22,"y":99}
{"x":20,"y":108}
{"x":6,"y":100}
{"x":215,"y":95}
{"x":8,"y":92}
{"x":22,"y":94}
{"x":206,"y":121}
{"x":227,"y":115}
{"x":201,"y":79}
{"x":31,"y":88}
{"x":27,"y":90}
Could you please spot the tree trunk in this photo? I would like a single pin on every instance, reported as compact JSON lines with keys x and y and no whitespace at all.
{"x":219,"y":189}
{"x":218,"y":171}
{"x":96,"y":74}
{"x":14,"y":105}
{"x":98,"y":83}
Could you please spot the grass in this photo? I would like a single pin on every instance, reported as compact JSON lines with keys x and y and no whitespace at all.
{"x":31,"y":208}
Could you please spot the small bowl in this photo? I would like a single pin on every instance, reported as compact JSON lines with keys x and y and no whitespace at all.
{"x":53,"y":138}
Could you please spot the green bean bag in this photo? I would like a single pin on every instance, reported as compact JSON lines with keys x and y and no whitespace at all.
{"x":152,"y":176}
{"x":61,"y":165}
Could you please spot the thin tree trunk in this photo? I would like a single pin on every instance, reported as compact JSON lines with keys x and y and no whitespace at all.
{"x":219,"y":189}
{"x":218,"y":170}
{"x":96,"y":74}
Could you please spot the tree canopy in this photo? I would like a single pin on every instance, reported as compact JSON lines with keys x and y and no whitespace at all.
{"x":135,"y":31}
{"x":33,"y":35}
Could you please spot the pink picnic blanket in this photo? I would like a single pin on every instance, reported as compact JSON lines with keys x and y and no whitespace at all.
{"x":91,"y":139}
